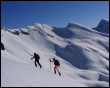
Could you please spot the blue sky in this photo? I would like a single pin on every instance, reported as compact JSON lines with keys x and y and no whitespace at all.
{"x":18,"y":14}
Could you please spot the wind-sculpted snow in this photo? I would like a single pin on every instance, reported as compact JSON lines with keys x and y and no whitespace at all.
{"x":83,"y":54}
{"x":74,"y":55}
{"x":63,"y":32}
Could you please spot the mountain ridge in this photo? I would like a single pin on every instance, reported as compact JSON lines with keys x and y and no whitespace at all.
{"x":82,"y":52}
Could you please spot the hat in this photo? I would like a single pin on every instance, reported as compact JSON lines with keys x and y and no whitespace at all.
{"x":53,"y":58}
{"x":34,"y":53}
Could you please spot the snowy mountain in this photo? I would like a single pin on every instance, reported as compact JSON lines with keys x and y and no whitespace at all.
{"x":82,"y":52}
{"x":103,"y":26}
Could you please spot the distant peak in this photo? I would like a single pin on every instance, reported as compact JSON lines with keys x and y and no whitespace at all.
{"x":105,"y":21}
{"x":102,"y":20}
{"x":103,"y":26}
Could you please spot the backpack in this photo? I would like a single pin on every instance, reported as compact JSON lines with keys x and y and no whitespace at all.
{"x":37,"y":57}
{"x":57,"y":63}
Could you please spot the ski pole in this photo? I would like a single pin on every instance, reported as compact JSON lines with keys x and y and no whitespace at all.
{"x":50,"y":64}
{"x":32,"y":61}
{"x":58,"y":71}
{"x":61,"y":71}
{"x":29,"y":53}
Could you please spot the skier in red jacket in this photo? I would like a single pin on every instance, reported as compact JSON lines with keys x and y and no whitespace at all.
{"x":57,"y":64}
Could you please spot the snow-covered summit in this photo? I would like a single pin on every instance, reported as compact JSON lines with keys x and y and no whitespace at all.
{"x":75,"y":25}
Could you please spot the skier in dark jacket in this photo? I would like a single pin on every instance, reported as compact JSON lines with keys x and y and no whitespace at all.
{"x":57,"y":64}
{"x":36,"y":57}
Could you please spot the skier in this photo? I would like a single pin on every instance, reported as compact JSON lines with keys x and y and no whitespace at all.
{"x":57,"y":64}
{"x":36,"y":56}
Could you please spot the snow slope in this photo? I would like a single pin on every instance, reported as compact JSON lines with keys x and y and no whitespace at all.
{"x":103,"y":26}
{"x":82,"y":52}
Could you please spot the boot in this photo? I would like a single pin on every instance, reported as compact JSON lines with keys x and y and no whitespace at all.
{"x":59,"y":73}
{"x":55,"y":72}
{"x":40,"y":66}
